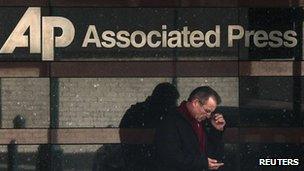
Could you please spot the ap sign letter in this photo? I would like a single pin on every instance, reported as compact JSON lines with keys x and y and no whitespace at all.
{"x":48,"y":43}
{"x":32,"y":20}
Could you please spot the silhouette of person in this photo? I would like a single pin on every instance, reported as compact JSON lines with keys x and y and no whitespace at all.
{"x":108,"y":157}
{"x":146,"y":114}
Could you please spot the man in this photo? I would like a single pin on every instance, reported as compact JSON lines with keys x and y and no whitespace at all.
{"x":182,"y":139}
{"x":146,"y":115}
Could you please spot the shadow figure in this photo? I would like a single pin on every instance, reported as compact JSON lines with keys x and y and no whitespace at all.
{"x":146,"y":115}
{"x":108,"y":157}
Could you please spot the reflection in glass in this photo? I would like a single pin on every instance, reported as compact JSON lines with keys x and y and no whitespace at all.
{"x":266,"y":101}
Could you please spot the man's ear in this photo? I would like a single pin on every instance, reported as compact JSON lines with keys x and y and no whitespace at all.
{"x":195,"y":102}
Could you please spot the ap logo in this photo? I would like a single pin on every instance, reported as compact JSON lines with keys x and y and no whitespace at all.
{"x":33,"y":21}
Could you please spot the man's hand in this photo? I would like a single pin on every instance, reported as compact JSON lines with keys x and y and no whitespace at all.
{"x":218,"y":121}
{"x":213,"y":164}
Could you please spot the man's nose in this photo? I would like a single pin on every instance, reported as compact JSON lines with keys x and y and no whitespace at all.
{"x":209,"y":114}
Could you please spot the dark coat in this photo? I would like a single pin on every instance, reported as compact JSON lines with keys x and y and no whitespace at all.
{"x":145,"y":115}
{"x":178,"y":147}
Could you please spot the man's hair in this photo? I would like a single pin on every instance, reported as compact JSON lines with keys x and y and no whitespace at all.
{"x":203,"y":93}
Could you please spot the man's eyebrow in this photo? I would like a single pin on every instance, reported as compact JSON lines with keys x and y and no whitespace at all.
{"x":208,"y":110}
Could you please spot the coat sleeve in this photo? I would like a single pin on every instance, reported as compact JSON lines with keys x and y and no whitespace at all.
{"x":170,"y":149}
{"x":214,"y":142}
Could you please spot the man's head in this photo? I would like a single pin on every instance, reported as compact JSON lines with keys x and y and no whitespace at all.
{"x":202,"y":102}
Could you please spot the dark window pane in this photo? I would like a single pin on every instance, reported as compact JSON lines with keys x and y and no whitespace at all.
{"x":267,"y":101}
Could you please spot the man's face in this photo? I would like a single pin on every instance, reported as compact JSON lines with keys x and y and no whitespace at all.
{"x":202,"y":111}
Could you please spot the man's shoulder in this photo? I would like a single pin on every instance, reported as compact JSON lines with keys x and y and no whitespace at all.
{"x":174,"y":115}
{"x":173,"y":123}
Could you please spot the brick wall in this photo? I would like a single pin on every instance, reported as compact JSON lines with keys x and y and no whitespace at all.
{"x":28,"y":97}
{"x":99,"y":102}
